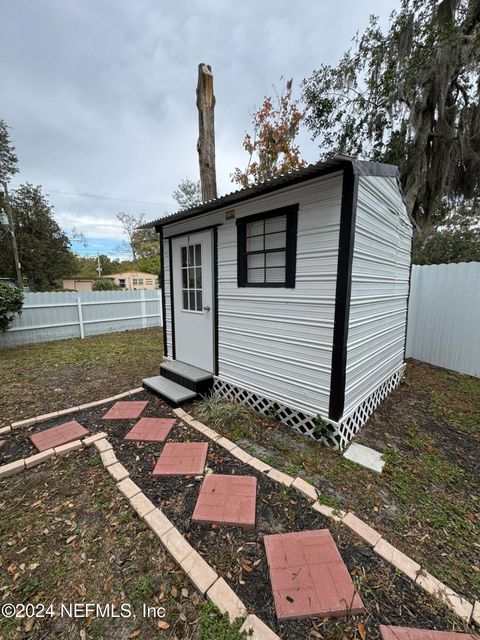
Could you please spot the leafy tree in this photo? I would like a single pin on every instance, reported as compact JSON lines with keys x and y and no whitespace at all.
{"x":44,"y":249}
{"x":11,"y":303}
{"x":188,"y":194}
{"x":143,"y":243}
{"x":409,"y":96}
{"x":271,"y":148}
{"x":104,"y":285}
{"x":8,"y":157}
{"x":87,"y":266}
{"x":456,"y":240}
{"x":107,"y":265}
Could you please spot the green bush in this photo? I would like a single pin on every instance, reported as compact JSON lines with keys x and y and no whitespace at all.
{"x":104,"y":285}
{"x":11,"y":303}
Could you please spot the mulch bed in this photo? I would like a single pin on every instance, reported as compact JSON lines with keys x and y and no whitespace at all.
{"x":238,"y":554}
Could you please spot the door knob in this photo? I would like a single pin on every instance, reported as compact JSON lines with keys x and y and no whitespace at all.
{"x":207,"y":308}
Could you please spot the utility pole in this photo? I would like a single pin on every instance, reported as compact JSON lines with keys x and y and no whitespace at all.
{"x":206,"y":132}
{"x":18,"y":266}
{"x":99,"y":266}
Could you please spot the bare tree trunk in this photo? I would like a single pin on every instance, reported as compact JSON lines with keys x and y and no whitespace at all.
{"x":206,"y":132}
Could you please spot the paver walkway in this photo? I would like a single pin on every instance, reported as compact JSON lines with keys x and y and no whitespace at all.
{"x":182,"y":459}
{"x":56,"y":436}
{"x":150,"y":430}
{"x":125,"y":410}
{"x":309,"y":577}
{"x":404,"y":633}
{"x":227,"y":500}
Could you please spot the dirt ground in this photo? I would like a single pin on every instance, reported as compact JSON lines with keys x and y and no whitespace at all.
{"x":427,"y":499}
{"x":236,"y":554}
{"x":49,"y":376}
{"x":67,"y":535}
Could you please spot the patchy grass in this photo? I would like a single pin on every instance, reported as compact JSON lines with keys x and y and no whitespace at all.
{"x":426,"y":502}
{"x":67,"y":535}
{"x":48,"y":376}
{"x":214,"y":625}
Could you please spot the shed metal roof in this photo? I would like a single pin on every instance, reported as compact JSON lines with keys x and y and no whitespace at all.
{"x":336,"y":163}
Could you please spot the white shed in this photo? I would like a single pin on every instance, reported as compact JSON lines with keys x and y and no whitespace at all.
{"x":290,"y":296}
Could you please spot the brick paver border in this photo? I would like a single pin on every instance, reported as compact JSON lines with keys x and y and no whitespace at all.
{"x":418,"y":574}
{"x":63,"y":412}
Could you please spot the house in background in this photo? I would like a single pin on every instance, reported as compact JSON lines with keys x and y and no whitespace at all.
{"x":290,"y":296}
{"x":129,"y":281}
{"x":78,"y":284}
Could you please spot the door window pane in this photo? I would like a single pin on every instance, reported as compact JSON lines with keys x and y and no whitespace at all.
{"x":191,"y":267}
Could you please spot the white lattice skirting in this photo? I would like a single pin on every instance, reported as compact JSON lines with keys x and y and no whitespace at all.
{"x":337,"y":435}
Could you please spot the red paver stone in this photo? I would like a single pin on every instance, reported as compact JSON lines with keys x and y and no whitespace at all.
{"x":182,"y":459}
{"x":227,"y":500}
{"x":309,"y":577}
{"x":151,"y":430}
{"x":57,"y":436}
{"x":125,"y":410}
{"x":405,"y":633}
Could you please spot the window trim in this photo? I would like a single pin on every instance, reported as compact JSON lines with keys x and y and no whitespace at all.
{"x":291,"y":213}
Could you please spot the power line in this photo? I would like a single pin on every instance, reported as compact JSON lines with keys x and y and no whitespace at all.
{"x":100,"y":197}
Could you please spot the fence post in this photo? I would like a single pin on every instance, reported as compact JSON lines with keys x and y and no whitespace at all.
{"x":160,"y":313}
{"x":80,"y":317}
{"x":143,"y":307}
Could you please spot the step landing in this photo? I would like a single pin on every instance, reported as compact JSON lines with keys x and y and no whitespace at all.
{"x":187,"y":375}
{"x":168,"y":390}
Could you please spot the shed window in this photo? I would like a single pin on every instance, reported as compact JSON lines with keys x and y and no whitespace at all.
{"x":267,"y":245}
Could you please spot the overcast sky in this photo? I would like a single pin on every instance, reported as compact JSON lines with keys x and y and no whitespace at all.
{"x":100,"y":94}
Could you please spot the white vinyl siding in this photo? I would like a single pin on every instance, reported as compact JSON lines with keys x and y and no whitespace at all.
{"x":278,"y":342}
{"x":380,"y":280}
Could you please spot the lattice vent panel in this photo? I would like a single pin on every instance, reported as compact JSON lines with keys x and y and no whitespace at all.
{"x":337,"y":436}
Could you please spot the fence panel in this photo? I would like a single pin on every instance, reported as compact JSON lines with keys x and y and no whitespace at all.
{"x":444,"y":316}
{"x":61,"y":315}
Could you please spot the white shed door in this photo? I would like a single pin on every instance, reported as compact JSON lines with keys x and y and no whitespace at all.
{"x":192,"y":263}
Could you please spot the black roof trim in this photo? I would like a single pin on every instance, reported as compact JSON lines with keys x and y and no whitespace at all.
{"x":337,"y":163}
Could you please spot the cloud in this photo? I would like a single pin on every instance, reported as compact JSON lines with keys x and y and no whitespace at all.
{"x":100,"y":95}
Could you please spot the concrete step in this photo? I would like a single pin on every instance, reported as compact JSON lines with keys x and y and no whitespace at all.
{"x":186,"y":375}
{"x":168,"y":390}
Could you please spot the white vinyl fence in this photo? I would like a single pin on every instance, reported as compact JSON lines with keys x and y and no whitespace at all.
{"x":444,"y":316}
{"x":59,"y":315}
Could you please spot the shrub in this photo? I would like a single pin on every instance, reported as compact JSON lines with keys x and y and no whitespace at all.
{"x":223,"y":414}
{"x":11,"y":303}
{"x":104,"y":285}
